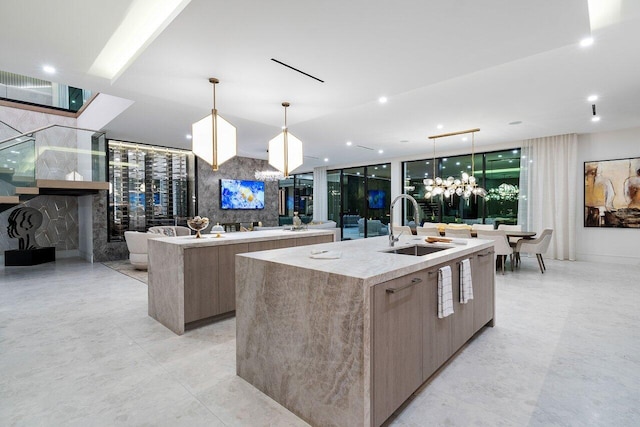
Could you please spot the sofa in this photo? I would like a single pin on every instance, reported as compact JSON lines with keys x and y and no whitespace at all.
{"x":137,"y":245}
{"x":350,"y":220}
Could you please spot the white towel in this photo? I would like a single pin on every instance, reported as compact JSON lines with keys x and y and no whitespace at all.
{"x":445,"y":294}
{"x":466,"y":287}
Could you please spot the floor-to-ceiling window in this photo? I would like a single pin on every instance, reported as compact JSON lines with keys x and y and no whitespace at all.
{"x":358,"y":200}
{"x":295,"y":195}
{"x":498,"y":172}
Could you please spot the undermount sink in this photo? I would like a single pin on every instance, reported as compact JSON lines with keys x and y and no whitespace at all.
{"x":415,"y":250}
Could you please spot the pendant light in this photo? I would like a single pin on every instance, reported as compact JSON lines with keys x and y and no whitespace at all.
{"x":464,"y":186}
{"x":214,"y":138}
{"x":285,"y":150}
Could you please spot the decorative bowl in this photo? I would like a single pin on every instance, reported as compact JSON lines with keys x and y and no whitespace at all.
{"x":198,"y":223}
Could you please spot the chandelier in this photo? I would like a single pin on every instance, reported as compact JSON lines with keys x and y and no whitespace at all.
{"x":465,"y":186}
{"x":269,"y":175}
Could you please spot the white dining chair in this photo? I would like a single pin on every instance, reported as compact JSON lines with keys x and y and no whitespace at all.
{"x":427,"y":231}
{"x":501,"y":245}
{"x":457,"y":232}
{"x":535,"y":246}
{"x":404,"y":229}
{"x":476,"y":227}
{"x":512,"y":240}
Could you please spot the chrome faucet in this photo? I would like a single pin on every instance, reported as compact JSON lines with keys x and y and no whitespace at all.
{"x":416,"y":211}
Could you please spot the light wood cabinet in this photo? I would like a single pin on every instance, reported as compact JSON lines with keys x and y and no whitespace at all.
{"x":200,"y":283}
{"x":227,"y":275}
{"x":436,"y":333}
{"x":397,"y":343}
{"x":409,"y":341}
{"x":483,"y":290}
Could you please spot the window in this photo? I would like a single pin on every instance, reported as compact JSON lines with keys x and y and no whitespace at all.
{"x":498,"y":172}
{"x":295,"y":195}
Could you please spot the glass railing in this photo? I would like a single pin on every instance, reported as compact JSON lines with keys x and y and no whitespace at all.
{"x":16,"y":87}
{"x":54,"y":152}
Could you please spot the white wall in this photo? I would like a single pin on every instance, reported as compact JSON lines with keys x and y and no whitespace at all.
{"x":616,"y":245}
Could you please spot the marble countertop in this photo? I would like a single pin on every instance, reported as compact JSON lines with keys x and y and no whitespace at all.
{"x":365,"y":258}
{"x":239,"y":237}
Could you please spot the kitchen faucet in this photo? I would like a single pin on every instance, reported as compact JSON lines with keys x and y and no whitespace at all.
{"x":416,"y":211}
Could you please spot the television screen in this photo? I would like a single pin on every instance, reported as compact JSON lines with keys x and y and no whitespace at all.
{"x":376,"y":199}
{"x":241,"y":194}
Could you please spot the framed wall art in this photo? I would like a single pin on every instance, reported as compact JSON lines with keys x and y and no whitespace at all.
{"x":612,"y":193}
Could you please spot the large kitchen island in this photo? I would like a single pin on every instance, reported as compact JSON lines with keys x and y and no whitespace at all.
{"x":344,"y":337}
{"x":192,"y":281}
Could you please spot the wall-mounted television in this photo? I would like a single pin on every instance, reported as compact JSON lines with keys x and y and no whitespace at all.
{"x":376,"y":199}
{"x":241,"y":194}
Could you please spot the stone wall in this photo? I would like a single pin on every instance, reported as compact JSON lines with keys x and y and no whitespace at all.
{"x":237,"y":168}
{"x":104,"y":250}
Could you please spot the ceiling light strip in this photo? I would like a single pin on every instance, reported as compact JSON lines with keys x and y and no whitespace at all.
{"x":295,"y":69}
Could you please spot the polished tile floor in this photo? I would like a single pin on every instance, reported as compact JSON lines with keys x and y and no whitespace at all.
{"x":77,"y":349}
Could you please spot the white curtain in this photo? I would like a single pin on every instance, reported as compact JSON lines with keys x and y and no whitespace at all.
{"x":548,"y":191}
{"x":320,"y":206}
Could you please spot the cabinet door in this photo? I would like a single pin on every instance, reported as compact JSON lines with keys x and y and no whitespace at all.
{"x":483,"y":288}
{"x":436,"y":339}
{"x":227,"y":275}
{"x":271,"y":244}
{"x":200,"y":283}
{"x":303,"y":241}
{"x":397,"y":343}
{"x":462,"y":318}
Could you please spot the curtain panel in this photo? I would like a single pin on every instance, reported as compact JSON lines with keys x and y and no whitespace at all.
{"x":549,"y":191}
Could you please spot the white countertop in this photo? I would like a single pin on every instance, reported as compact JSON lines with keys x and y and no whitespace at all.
{"x":365,"y":259}
{"x":239,"y":237}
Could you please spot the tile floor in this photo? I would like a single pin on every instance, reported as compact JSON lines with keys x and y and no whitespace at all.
{"x":77,"y":348}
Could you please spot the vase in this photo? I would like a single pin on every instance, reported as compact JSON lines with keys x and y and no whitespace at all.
{"x":297,"y":222}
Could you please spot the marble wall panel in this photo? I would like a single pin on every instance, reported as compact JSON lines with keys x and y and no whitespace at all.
{"x":103,"y":250}
{"x":236,"y":168}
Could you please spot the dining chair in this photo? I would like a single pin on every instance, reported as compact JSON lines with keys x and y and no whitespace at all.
{"x":404,"y":229}
{"x":512,"y":240}
{"x":457,"y":232}
{"x":476,"y":227}
{"x":427,"y":231}
{"x":501,"y":245}
{"x":535,"y":246}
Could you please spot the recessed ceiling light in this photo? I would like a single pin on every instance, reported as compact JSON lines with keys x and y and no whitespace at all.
{"x":382,"y":99}
{"x":464,"y":138}
{"x":357,"y":173}
{"x":384,"y":166}
{"x":595,"y":118}
{"x":445,"y":159}
{"x":48,"y":69}
{"x":376,"y":168}
{"x":188,"y":136}
{"x":592,"y":98}
{"x":515,"y":151}
{"x":457,"y":163}
{"x":326,"y":159}
{"x":439,"y":126}
{"x":380,"y":151}
{"x":349,"y":142}
{"x":587,"y":41}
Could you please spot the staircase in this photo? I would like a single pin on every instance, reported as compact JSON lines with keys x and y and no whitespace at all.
{"x":57,"y":152}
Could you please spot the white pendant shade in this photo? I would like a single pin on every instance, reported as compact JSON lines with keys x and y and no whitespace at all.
{"x":285,"y":152}
{"x":214,"y":149}
{"x":213,"y":138}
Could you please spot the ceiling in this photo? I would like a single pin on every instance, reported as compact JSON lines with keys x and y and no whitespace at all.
{"x":462,"y":64}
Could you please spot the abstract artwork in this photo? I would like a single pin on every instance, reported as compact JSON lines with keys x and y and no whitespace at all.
{"x":612,"y":193}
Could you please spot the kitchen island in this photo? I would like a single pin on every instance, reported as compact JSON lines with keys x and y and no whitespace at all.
{"x":345,"y":341}
{"x":192,"y":281}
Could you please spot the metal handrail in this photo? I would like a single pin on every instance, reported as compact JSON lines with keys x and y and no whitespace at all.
{"x":32,"y":132}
